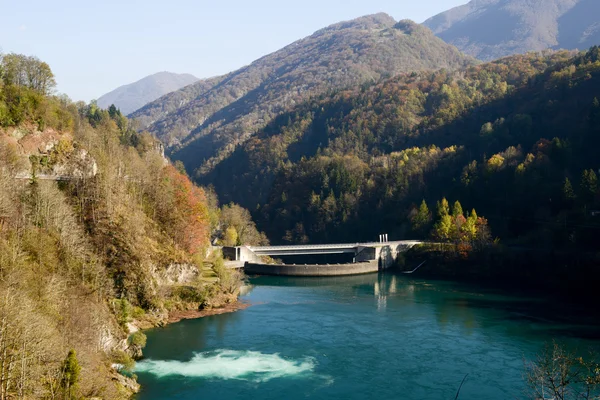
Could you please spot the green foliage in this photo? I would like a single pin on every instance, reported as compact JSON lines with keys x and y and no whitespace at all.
{"x":238,"y":228}
{"x":500,"y":136}
{"x":589,"y":185}
{"x":443,"y":208}
{"x":343,"y":55}
{"x":470,"y":233}
{"x":457,"y":210}
{"x":125,"y":360}
{"x":123,"y":310}
{"x":422,"y":218}
{"x":95,"y":248}
{"x":28,"y":72}
{"x":568,"y":192}
{"x":137,"y":339}
{"x":70,"y":375}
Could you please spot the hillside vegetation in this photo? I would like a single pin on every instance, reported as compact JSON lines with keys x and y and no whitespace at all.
{"x":516,"y":139}
{"x":204,"y":130}
{"x":490,"y":29}
{"x":99,"y":235}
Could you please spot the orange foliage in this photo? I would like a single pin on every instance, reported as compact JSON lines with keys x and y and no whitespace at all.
{"x":191,"y":226}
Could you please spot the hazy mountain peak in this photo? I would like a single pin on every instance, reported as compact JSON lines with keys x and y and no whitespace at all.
{"x":489,"y":29}
{"x":367,"y":22}
{"x":133,"y":96}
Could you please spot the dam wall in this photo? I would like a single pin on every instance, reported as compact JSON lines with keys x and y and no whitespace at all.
{"x":312,"y":270}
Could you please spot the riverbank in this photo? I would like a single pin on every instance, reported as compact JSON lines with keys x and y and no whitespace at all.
{"x":178,"y":316}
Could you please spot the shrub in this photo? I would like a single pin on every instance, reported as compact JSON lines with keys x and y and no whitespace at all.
{"x":137,"y":339}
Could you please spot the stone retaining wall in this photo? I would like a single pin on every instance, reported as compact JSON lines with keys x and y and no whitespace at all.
{"x":312,"y":270}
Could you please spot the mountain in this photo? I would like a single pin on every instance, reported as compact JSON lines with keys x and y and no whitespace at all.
{"x":490,"y":29}
{"x":208,"y":127}
{"x":516,"y":139}
{"x":129,"y":98}
{"x":501,"y":137}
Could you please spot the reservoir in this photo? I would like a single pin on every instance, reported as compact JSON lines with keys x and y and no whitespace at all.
{"x":376,"y":336}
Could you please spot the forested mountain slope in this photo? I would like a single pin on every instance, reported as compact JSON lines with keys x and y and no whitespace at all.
{"x":131,"y":97}
{"x":99,"y":235}
{"x":347,"y":54}
{"x":516,"y":138}
{"x":490,"y":29}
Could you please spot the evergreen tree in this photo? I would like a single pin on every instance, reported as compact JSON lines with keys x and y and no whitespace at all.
{"x":589,"y":185}
{"x":568,"y":192}
{"x":422,"y":218}
{"x":70,"y":371}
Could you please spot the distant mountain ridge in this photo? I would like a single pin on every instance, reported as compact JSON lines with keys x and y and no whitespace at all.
{"x":129,"y":98}
{"x":490,"y":29}
{"x":214,"y":117}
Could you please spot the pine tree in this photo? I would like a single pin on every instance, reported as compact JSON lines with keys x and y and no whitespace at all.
{"x":568,"y":192}
{"x":422,"y":218}
{"x":70,"y":370}
{"x":589,"y":185}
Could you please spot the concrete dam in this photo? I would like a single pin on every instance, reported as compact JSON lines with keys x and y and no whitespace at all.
{"x":367,"y":258}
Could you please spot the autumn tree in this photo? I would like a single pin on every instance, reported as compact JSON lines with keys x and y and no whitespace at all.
{"x":443,"y":208}
{"x":234,"y":216}
{"x":457,"y":209}
{"x":231,"y":237}
{"x":559,"y":374}
{"x":469,"y":232}
{"x":188,"y":221}
{"x":444,"y":227}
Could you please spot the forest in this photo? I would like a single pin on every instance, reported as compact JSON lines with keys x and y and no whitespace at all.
{"x":99,"y":236}
{"x":201,"y":124}
{"x":516,"y":139}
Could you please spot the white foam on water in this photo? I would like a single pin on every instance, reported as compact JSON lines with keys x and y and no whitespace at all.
{"x":231,"y":364}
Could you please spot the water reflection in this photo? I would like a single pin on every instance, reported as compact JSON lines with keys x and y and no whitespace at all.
{"x":453,"y":305}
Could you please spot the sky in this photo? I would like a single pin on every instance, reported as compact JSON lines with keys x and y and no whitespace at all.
{"x":94,"y":47}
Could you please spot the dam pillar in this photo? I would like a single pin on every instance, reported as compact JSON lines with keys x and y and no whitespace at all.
{"x":386,"y":256}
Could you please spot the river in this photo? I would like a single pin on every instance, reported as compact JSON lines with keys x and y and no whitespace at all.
{"x":374,"y":336}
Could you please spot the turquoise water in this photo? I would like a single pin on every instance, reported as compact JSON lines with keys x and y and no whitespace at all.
{"x":364,"y":337}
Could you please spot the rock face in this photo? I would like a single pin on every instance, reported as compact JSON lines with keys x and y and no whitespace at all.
{"x":129,"y":98}
{"x":49,"y":154}
{"x":490,"y":29}
{"x":223,"y":114}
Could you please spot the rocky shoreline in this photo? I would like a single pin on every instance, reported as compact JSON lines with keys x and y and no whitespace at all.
{"x":178,"y":316}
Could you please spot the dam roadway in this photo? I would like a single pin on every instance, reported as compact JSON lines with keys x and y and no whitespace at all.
{"x":367,"y":257}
